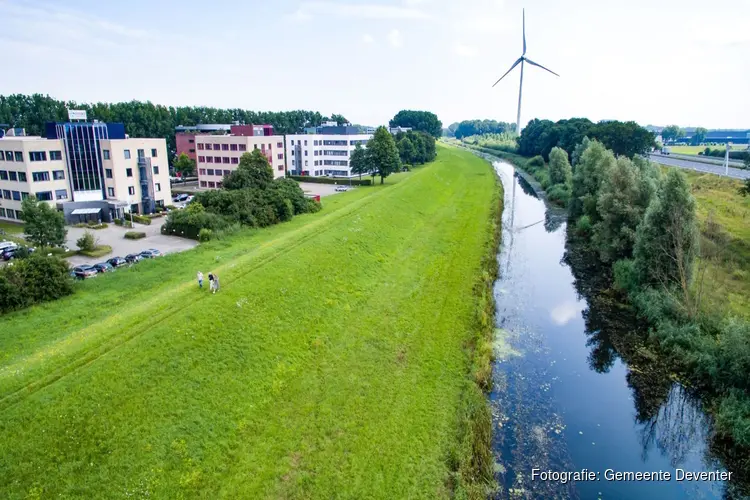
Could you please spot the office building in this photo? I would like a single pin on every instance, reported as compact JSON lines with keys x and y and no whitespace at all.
{"x":324,"y":150}
{"x":185,"y":135}
{"x":83,"y":166}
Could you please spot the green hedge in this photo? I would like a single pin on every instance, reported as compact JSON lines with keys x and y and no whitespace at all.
{"x":32,"y":280}
{"x":140,"y":219}
{"x":135,"y":235}
{"x":330,"y":180}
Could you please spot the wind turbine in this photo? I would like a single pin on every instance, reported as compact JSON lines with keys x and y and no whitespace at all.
{"x":522,"y":60}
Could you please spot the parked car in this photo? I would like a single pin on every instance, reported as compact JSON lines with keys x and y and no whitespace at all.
{"x":5,"y":245}
{"x":10,"y":253}
{"x":84,"y":272}
{"x":341,"y":188}
{"x":104,"y":267}
{"x":117,"y":262}
{"x":132,"y":258}
{"x":180,"y":198}
{"x":151,"y":253}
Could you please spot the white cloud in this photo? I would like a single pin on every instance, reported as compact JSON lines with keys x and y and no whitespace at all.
{"x":368,"y":39}
{"x":362,"y":11}
{"x":464,"y":50}
{"x":563,"y":313}
{"x":394,"y":38}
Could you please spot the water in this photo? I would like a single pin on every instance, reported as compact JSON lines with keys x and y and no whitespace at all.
{"x":563,"y":398}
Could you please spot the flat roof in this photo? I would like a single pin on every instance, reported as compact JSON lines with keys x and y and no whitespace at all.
{"x":85,"y":211}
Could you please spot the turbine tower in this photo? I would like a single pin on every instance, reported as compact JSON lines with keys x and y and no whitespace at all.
{"x":522,"y":60}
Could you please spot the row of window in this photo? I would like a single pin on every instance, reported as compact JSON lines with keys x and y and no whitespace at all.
{"x":223,"y":147}
{"x":338,"y":163}
{"x":11,"y":214}
{"x":326,"y":152}
{"x":211,"y":184}
{"x":10,"y":175}
{"x":60,"y":194}
{"x":218,"y":159}
{"x":128,"y":172}
{"x":361,"y":142}
{"x":131,"y":190}
{"x":5,"y":175}
{"x":211,"y":171}
{"x":33,"y":155}
{"x":126,"y":153}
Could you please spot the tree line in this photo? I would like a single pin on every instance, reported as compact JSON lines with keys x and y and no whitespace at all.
{"x":385,"y":154}
{"x":468,"y":128}
{"x":422,"y":121}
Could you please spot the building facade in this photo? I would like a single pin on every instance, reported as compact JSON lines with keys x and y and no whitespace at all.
{"x":218,"y":155}
{"x":185,"y":135}
{"x":86,"y":165}
{"x":325,"y":151}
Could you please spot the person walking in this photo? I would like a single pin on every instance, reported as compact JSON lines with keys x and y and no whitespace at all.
{"x":200,"y":279}
{"x":211,"y":282}
{"x":216,"y":283}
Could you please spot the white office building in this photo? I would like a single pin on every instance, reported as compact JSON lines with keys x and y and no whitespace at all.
{"x":324,"y":150}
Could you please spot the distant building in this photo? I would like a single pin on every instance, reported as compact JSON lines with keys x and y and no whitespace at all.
{"x":185,"y":135}
{"x":396,"y":130}
{"x":324,"y":150}
{"x":88,"y":166}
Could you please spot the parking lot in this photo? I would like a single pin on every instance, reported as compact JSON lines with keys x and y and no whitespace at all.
{"x":114,"y":236}
{"x":320,"y":189}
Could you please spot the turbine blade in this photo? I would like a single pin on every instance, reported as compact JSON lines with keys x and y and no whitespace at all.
{"x":535,"y":64}
{"x":524,"y":32}
{"x":511,"y":69}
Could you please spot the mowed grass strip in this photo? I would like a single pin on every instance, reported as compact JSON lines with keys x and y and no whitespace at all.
{"x":330,"y":365}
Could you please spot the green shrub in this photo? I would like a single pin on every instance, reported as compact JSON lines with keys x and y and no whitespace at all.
{"x":140,"y":219}
{"x":135,"y":235}
{"x":33,"y":280}
{"x":171,"y":207}
{"x":583,"y":225}
{"x":87,"y":242}
{"x":559,"y":194}
{"x":205,"y":234}
{"x":536,"y":161}
{"x":97,"y":251}
{"x":80,"y":225}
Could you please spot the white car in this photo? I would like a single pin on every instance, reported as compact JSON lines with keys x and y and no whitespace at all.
{"x":341,"y":188}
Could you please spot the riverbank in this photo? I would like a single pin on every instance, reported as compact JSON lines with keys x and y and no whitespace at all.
{"x":343,"y":357}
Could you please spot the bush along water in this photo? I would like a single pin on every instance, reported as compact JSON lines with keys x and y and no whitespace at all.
{"x":250,"y":197}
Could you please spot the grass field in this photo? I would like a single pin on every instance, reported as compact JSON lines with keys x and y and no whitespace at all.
{"x":728,"y":282}
{"x":694,"y":150}
{"x":332,"y":364}
{"x":11,"y":228}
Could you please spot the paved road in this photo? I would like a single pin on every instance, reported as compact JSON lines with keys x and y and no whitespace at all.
{"x":700,"y":167}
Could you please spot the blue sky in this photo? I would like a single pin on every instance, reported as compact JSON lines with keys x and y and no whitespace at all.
{"x":662,"y":62}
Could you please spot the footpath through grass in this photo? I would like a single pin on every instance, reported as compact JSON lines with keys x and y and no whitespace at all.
{"x":332,"y":364}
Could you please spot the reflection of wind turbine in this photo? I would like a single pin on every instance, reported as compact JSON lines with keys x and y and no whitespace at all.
{"x":521,"y":60}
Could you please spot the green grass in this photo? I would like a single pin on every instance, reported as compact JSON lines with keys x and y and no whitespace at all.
{"x":334,"y":362}
{"x":727,"y":285}
{"x":11,"y":228}
{"x":99,"y":251}
{"x":694,"y":150}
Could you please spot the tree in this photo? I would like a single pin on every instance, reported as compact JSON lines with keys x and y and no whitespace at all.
{"x":87,"y":242}
{"x":623,"y":138}
{"x":184,"y":165}
{"x":699,"y":136}
{"x":578,"y":151}
{"x":624,"y":196}
{"x":254,"y":171}
{"x":423,"y":121}
{"x":383,"y":153}
{"x":359,"y":161}
{"x":406,"y":151}
{"x":480,"y":127}
{"x":595,"y":163}
{"x":671,"y":133}
{"x":44,"y":225}
{"x":667,"y":240}
{"x":339,"y":119}
{"x":559,"y":168}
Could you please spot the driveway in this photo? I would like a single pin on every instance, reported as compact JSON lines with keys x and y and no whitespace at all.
{"x":320,"y":189}
{"x":114,"y":236}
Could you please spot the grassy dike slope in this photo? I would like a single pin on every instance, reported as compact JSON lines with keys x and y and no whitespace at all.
{"x":333,"y":363}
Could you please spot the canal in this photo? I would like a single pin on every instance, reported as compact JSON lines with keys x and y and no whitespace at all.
{"x":563,"y":398}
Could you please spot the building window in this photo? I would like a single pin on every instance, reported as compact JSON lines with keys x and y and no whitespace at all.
{"x":209,"y":159}
{"x":280,"y":156}
{"x":6,"y":194}
{"x":156,"y":169}
{"x":55,"y":155}
{"x":44,"y":196}
{"x":108,"y":173}
{"x":225,"y":147}
{"x":305,"y":152}
{"x":8,"y":155}
{"x":217,"y":159}
{"x":226,"y":172}
{"x":129,"y":172}
{"x":157,"y":187}
{"x":11,"y":213}
{"x":233,"y":147}
{"x":61,"y":194}
{"x":191,"y":141}
{"x":225,"y":159}
{"x":192,"y":150}
{"x":24,"y":195}
{"x":111,"y":192}
{"x":17,"y":195}
{"x":105,"y":152}
{"x":235,"y":161}
{"x":255,"y":146}
{"x":19,"y":155}
{"x":200,"y":146}
{"x":2,"y":212}
{"x":305,"y":142}
{"x":279,"y":145}
{"x":208,"y":146}
{"x":210,"y":171}
{"x":13,"y":176}
{"x":203,"y":184}
{"x":281,"y":168}
{"x":22,"y":177}
{"x":305,"y":162}
{"x":126,"y":152}
{"x":153,"y":153}
{"x":315,"y":153}
{"x":292,"y":142}
{"x":141,"y":153}
{"x":3,"y":175}
{"x":58,"y":175}
{"x":219,"y":185}
{"x":201,"y":171}
{"x":38,"y":156}
{"x":131,"y":190}
{"x":292,"y":162}
{"x":202,"y":159}
{"x":243,"y":147}
{"x":211,"y":184}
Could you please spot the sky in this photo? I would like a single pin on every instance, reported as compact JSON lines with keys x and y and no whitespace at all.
{"x":655,"y":62}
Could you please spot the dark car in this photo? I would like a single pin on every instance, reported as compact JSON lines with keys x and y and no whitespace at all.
{"x":180,"y":198}
{"x":83,"y":272}
{"x":151,"y":253}
{"x":10,"y":253}
{"x":132,"y":258}
{"x":103,"y":267}
{"x":117,"y":262}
